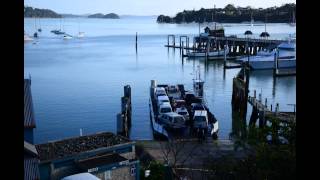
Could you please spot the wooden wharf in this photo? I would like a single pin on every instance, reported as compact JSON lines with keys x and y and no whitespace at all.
{"x":237,"y":45}
{"x":264,"y":113}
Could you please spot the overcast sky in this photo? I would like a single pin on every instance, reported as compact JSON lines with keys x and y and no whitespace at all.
{"x":143,"y":7}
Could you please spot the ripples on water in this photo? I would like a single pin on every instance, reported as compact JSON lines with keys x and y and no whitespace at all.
{"x":78,"y":83}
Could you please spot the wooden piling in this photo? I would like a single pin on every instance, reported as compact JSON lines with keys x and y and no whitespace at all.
{"x":266,"y":102}
{"x":124,"y":118}
{"x":182,"y":50}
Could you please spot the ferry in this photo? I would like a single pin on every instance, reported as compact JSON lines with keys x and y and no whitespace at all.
{"x":176,"y":112}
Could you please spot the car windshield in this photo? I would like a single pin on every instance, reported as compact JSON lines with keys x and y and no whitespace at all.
{"x":165,"y":110}
{"x":200,"y":118}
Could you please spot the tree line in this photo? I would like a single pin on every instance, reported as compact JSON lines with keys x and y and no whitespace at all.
{"x":232,"y":14}
{"x":42,"y":13}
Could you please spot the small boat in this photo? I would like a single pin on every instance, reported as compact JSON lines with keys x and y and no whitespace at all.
{"x":57,"y":32}
{"x":66,"y":36}
{"x":80,"y":35}
{"x":27,"y":38}
{"x":216,"y":53}
{"x":35,"y":35}
{"x":266,"y":59}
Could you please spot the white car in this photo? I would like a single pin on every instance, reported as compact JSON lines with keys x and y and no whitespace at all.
{"x":160,"y":91}
{"x":164,"y":108}
{"x":163,"y":99}
{"x":200,"y":119}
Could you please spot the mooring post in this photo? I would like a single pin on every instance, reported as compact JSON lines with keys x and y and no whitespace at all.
{"x":187,"y":42}
{"x":168,"y":40}
{"x":277,"y":59}
{"x":225,"y":55}
{"x":182,"y":50}
{"x":271,"y":107}
{"x":254,"y":94}
{"x":174,"y":40}
{"x":277,"y":108}
{"x":265,"y":102}
{"x":136,"y":41}
{"x":260,"y":97}
{"x":275,"y":68}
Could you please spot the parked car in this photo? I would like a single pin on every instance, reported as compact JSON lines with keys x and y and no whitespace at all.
{"x":184,"y":112}
{"x":173,"y":120}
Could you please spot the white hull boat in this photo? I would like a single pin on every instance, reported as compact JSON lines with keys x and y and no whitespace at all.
{"x":80,"y":35}
{"x":27,"y":38}
{"x":266,"y":60}
{"x":66,"y":37}
{"x":265,"y":63}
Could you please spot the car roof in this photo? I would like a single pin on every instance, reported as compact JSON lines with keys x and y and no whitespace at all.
{"x":160,"y":89}
{"x":163,"y":98}
{"x":181,"y":109}
{"x":200,"y":113}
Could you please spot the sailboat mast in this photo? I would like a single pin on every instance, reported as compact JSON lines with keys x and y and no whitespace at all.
{"x":35,"y":23}
{"x":265,"y":24}
{"x":199,"y":28}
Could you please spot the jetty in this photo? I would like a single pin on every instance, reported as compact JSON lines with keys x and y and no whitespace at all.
{"x":261,"y":111}
{"x":237,"y":45}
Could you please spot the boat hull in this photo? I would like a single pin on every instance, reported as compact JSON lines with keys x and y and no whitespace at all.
{"x":282,"y":64}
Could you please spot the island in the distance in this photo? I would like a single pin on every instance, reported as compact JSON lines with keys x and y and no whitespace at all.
{"x":42,"y":13}
{"x":107,"y":16}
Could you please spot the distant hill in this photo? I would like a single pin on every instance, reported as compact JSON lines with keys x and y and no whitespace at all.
{"x":232,"y":14}
{"x":42,"y":13}
{"x":98,"y":15}
{"x":111,"y":16}
{"x":107,"y":16}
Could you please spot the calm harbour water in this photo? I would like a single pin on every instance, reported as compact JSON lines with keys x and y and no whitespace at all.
{"x":78,"y":83}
